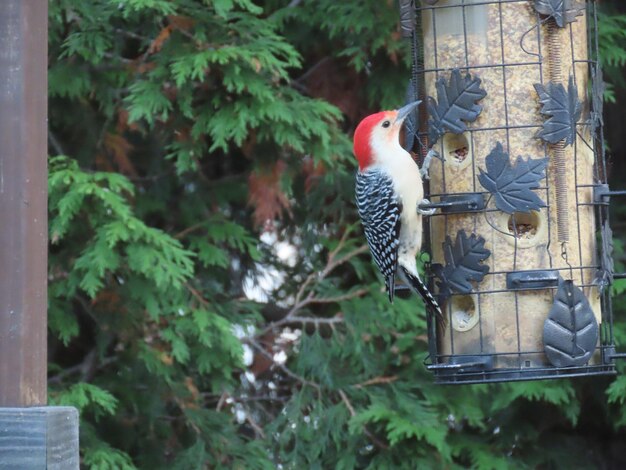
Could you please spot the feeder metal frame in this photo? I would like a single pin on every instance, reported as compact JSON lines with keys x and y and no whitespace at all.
{"x":477,"y":368}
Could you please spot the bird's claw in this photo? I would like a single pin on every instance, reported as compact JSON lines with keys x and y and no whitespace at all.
{"x":427,"y":161}
{"x":425,"y":211}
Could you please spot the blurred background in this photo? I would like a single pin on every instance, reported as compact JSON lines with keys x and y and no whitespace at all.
{"x":212,"y":302}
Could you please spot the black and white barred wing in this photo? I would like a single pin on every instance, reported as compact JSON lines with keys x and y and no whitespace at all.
{"x":380,"y":209}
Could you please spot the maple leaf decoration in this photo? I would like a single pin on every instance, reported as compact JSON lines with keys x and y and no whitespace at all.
{"x":512,"y":185}
{"x":463,"y":264}
{"x":563,"y":11}
{"x":456,"y":103}
{"x":563,"y":108}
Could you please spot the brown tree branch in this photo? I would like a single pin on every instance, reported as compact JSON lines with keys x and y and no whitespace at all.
{"x":282,"y":367}
{"x":291,"y":316}
{"x":301,"y":301}
{"x":253,"y":424}
{"x":190,"y":229}
{"x":380,"y":444}
{"x":196,"y":295}
{"x":377,"y":381}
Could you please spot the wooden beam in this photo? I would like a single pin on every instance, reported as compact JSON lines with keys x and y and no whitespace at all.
{"x":23,"y":202}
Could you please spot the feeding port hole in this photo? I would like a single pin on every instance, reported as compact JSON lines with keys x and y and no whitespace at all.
{"x":456,"y":149}
{"x":524,"y":226}
{"x":464,"y":314}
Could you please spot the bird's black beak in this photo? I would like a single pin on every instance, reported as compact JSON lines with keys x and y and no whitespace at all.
{"x":405,"y":110}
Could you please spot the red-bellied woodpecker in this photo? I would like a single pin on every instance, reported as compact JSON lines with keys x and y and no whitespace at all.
{"x":388,"y":191}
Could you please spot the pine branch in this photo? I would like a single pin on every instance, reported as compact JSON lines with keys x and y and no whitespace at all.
{"x":312,"y":69}
{"x":310,"y":300}
{"x":377,"y":381}
{"x":197,"y":295}
{"x":331,"y":264}
{"x":190,"y":229}
{"x":311,"y":277}
{"x":254,"y":425}
{"x":83,"y":367}
{"x":380,"y":444}
{"x":338,"y":298}
{"x":299,"y":303}
{"x":252,"y":342}
{"x":87,"y":368}
{"x":303,"y":320}
{"x":131,"y":34}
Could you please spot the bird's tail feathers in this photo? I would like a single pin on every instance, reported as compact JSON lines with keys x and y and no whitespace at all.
{"x":414,"y":281}
{"x":390,"y":284}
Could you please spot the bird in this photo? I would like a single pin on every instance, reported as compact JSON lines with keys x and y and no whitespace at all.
{"x":389,"y":190}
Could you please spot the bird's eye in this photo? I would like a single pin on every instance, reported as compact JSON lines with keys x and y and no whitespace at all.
{"x":386,"y":124}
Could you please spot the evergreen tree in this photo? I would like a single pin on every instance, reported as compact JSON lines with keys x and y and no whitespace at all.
{"x":212,"y":302}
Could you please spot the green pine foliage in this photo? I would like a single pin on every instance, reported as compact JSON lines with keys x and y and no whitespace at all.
{"x":211,"y":300}
{"x":612,"y":37}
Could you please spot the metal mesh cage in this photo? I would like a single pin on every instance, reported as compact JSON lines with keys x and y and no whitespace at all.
{"x":521,"y":245}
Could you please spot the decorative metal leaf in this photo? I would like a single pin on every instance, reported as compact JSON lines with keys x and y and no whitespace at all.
{"x":512,"y":185}
{"x":563,"y":11}
{"x":570,"y":333}
{"x":597,"y":98}
{"x":410,"y":123}
{"x":456,"y":103}
{"x":407,"y":17}
{"x":564,"y":109}
{"x":463,"y":264}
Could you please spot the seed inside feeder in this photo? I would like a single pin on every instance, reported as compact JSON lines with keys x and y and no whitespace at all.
{"x":456,"y":148}
{"x":523,"y":226}
{"x":459,"y":154}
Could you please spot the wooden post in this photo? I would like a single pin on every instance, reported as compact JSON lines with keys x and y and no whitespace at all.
{"x":23,"y":201}
{"x":32,"y":436}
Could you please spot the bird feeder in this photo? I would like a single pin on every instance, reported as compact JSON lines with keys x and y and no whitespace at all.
{"x":520,"y":245}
